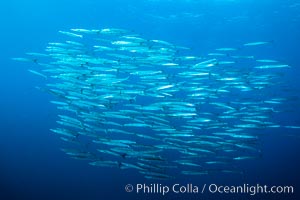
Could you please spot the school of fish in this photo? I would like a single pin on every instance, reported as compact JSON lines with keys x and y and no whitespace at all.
{"x":148,"y":105}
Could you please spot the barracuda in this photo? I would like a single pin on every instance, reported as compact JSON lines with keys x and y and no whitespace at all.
{"x":150,"y":105}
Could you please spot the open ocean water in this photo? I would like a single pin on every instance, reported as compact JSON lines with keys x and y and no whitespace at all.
{"x":32,"y":163}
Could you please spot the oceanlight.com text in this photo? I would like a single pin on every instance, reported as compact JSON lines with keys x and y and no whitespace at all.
{"x":156,"y":188}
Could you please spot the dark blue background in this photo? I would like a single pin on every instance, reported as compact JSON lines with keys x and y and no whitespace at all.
{"x":31,"y":164}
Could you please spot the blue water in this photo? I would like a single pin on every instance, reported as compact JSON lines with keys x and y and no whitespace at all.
{"x":31,"y":163}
